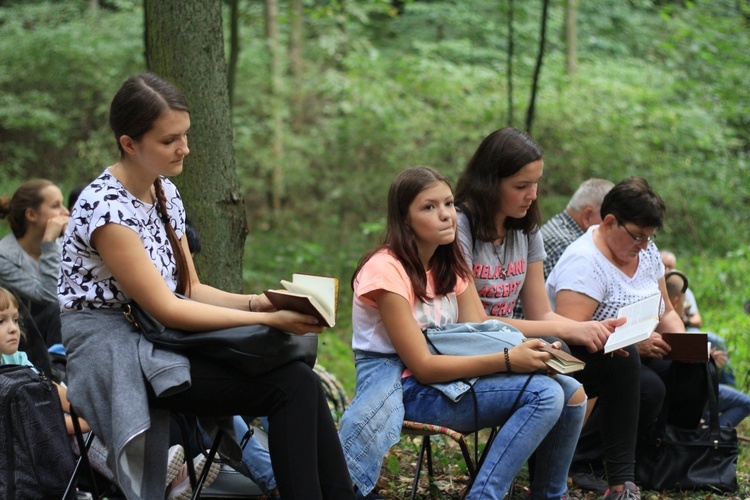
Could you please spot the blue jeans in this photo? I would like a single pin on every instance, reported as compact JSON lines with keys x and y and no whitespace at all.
{"x":255,"y":457}
{"x":542,"y":421}
{"x":734,"y":406}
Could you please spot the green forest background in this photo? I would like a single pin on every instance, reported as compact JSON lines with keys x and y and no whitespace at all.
{"x":656,"y":88}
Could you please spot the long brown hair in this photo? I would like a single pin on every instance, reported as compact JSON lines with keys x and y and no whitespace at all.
{"x":136,"y":106}
{"x":28,"y":195}
{"x":501,"y":154}
{"x":446,"y":263}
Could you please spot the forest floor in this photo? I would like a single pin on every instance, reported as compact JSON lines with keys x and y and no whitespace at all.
{"x":450,"y":476}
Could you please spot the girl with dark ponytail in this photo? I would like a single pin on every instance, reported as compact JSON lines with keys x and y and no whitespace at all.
{"x":127,"y":242}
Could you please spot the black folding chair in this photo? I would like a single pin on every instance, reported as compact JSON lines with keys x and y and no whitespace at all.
{"x":83,"y":464}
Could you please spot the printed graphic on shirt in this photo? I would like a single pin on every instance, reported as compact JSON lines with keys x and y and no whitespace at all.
{"x":499,"y":286}
{"x":500,"y":269}
{"x":85,"y":282}
{"x":584,"y":269}
{"x":437,"y":312}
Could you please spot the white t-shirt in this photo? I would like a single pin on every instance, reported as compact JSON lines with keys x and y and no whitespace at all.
{"x":499,"y":270}
{"x":385,"y":272}
{"x":85,"y":281}
{"x":691,"y":306}
{"x":583,"y":268}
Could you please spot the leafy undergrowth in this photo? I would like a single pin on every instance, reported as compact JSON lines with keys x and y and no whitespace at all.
{"x":450,"y":475}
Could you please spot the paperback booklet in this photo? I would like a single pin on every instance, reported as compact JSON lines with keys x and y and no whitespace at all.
{"x":561,"y":361}
{"x":687,"y":346}
{"x":309,"y":294}
{"x":643,"y":316}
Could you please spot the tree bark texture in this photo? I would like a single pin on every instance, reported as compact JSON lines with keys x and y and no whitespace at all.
{"x":185,"y":45}
{"x":538,"y":68}
{"x":234,"y":48}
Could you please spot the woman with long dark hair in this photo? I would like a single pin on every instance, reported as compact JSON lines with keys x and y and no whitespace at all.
{"x":127,"y":242}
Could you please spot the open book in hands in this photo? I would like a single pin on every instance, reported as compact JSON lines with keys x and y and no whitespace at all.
{"x":561,"y":361}
{"x":308,"y":294}
{"x":643,"y":316}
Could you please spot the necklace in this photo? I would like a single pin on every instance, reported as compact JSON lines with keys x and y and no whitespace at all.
{"x":500,"y":261}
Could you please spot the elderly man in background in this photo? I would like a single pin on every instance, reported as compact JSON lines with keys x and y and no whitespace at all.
{"x":581,"y":213}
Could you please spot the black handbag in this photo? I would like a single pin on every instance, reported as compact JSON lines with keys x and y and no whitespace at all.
{"x":252,"y":349}
{"x":693,"y":459}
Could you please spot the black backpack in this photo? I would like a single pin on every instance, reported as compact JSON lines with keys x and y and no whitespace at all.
{"x":37,"y":460}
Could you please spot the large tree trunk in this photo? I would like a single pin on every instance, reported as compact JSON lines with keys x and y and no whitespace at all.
{"x":276,"y":103}
{"x":185,"y":45}
{"x":571,"y":36}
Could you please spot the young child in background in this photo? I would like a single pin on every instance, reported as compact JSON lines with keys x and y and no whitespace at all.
{"x":10,"y":337}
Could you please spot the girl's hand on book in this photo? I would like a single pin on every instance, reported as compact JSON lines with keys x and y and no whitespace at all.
{"x":525,"y":357}
{"x":262,"y":304}
{"x":294,"y":322}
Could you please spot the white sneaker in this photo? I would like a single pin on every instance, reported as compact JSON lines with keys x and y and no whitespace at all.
{"x":184,"y":490}
{"x":175,"y":461}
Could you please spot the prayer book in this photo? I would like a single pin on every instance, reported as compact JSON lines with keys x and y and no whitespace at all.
{"x":643,"y":316}
{"x":309,"y":294}
{"x":561,"y":361}
{"x":687,"y":346}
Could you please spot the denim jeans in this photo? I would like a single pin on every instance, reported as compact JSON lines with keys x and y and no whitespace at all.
{"x":255,"y":457}
{"x":542,"y":419}
{"x":734,"y":406}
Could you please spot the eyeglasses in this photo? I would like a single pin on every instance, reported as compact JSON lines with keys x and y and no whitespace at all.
{"x":637,"y":239}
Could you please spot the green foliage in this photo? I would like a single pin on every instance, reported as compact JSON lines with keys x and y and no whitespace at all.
{"x":58,"y":69}
{"x":661,"y":91}
{"x":721,"y":287}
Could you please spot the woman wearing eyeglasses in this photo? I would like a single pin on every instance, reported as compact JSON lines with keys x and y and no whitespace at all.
{"x":612,"y":265}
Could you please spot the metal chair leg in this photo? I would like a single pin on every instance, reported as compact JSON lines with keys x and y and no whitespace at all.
{"x":83,"y":460}
{"x":207,"y":468}
{"x":425,"y":446}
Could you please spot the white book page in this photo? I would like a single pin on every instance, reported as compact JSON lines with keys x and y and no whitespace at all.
{"x":323,"y":290}
{"x":643,"y":316}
